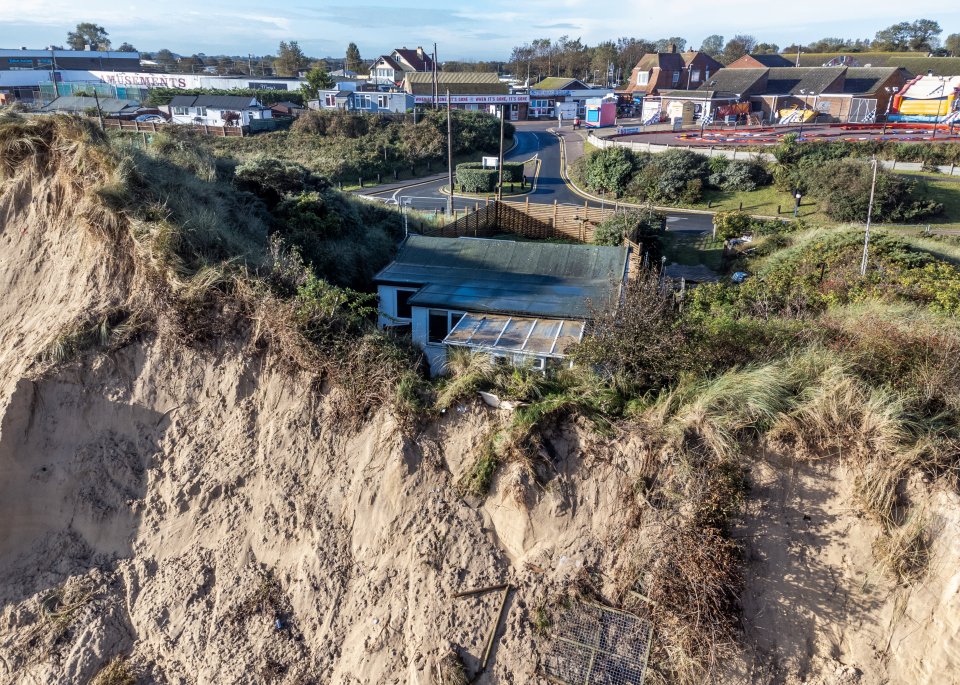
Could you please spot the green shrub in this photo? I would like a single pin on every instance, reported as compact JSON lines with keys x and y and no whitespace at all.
{"x":512,"y":172}
{"x":670,"y":177}
{"x":609,"y":170}
{"x":271,"y":179}
{"x":742,"y":175}
{"x":473,"y":178}
{"x":843,"y":190}
{"x":731,"y":224}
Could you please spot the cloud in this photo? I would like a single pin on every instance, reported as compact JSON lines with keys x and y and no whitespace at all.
{"x":558,"y":25}
{"x":382,"y":16}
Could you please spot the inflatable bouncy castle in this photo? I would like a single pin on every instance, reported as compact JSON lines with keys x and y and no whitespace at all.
{"x":927,"y":99}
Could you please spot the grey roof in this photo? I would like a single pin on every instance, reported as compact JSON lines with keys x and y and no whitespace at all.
{"x":772,"y":60}
{"x":215,"y":101}
{"x":791,"y":80}
{"x":508,"y":277}
{"x":866,"y":80}
{"x":737,"y":81}
{"x":81,"y":103}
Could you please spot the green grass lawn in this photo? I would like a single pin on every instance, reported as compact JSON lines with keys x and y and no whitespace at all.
{"x":763,"y":201}
{"x":690,"y":249}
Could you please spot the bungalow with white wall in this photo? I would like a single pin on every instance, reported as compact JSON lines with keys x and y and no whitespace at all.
{"x":216,"y":110}
{"x":521,"y":302}
{"x":346,"y":96}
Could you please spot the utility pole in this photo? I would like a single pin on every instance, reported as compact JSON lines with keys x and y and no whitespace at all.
{"x":500,"y":164}
{"x":866,"y":237}
{"x":53,"y":73}
{"x":436,"y":85}
{"x":449,"y":157}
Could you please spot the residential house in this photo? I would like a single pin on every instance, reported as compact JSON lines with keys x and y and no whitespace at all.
{"x":521,"y":302}
{"x":720,"y":96}
{"x":554,"y":97}
{"x":347,"y":97}
{"x":766,"y":61}
{"x":216,"y":110}
{"x":670,"y":71}
{"x":392,"y":68}
{"x":470,"y":90}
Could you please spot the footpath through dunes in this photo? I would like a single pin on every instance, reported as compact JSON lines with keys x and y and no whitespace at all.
{"x":185,"y":499}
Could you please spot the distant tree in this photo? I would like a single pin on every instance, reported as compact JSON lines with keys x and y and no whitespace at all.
{"x":924,"y":33}
{"x":165,"y":57}
{"x":88,"y":33}
{"x":353,"y":59}
{"x":918,"y":35}
{"x":712,"y":45}
{"x":737,"y":47}
{"x":601,"y":57}
{"x":126,"y":47}
{"x":766,"y":48}
{"x":290,"y":59}
{"x":317,"y":79}
{"x":663,"y":45}
{"x":630,"y":51}
{"x":952,"y":44}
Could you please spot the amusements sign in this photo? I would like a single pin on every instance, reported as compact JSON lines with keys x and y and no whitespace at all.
{"x":145,"y":80}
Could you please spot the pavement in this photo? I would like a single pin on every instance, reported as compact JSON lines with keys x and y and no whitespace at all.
{"x":555,"y":150}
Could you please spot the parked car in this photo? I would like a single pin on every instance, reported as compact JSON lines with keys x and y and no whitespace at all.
{"x":151,"y":119}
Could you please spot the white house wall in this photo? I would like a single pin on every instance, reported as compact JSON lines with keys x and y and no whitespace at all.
{"x":436,"y":354}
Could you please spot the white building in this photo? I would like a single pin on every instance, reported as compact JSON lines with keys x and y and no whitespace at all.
{"x":521,"y":302}
{"x":216,"y":110}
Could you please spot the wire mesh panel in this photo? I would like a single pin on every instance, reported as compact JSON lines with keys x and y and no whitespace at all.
{"x":862,"y":111}
{"x":595,"y":645}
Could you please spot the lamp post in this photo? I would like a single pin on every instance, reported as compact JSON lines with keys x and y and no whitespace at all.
{"x":936,"y":117}
{"x":891,"y":91}
{"x":796,"y":206}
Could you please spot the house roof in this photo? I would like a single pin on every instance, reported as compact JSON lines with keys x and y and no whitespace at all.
{"x":507,"y":277}
{"x":867,"y":80}
{"x":215,"y":101}
{"x":81,"y":103}
{"x":733,"y":81}
{"x":413,"y":58}
{"x":458,"y":82}
{"x":390,"y":61}
{"x":560,"y":83}
{"x":765,"y":60}
{"x":791,"y":80}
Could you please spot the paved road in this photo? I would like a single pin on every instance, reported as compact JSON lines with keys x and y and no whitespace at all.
{"x":534,"y":141}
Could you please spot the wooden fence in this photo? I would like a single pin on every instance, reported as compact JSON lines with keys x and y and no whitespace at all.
{"x":150,"y":127}
{"x":529,"y":220}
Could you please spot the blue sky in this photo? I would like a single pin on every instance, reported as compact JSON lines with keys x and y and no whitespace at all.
{"x":482,"y":29}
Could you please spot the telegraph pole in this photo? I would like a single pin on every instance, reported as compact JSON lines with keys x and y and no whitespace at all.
{"x":436,"y":86}
{"x":866,"y":237}
{"x":449,"y":157}
{"x":500,"y":164}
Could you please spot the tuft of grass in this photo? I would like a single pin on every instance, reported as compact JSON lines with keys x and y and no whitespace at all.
{"x":479,"y":478}
{"x":450,"y":670}
{"x":116,"y":672}
{"x":903,"y":553}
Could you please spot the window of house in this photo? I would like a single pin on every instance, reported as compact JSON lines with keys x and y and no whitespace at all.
{"x":643,"y":78}
{"x":181,"y":111}
{"x":383,"y":101}
{"x":676,"y":77}
{"x":363,"y":102}
{"x":695,"y":76}
{"x":439,"y":323}
{"x":330,"y":100}
{"x":404,"y":310}
{"x":201,"y":111}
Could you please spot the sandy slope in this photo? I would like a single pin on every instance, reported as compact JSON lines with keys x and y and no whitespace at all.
{"x":171,"y":504}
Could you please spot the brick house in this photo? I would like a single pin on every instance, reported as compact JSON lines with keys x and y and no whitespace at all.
{"x":670,"y":71}
{"x":393,"y":67}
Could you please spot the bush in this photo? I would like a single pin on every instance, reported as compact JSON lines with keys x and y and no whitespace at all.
{"x":609,"y":170}
{"x":743,"y":175}
{"x":672,"y":176}
{"x":512,"y":172}
{"x":640,"y":225}
{"x":271,"y":179}
{"x":473,"y":178}
{"x":730,"y":225}
{"x":843,"y":189}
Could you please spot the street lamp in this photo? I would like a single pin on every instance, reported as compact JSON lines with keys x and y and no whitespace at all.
{"x":936,"y":116}
{"x":891,"y":91}
{"x":806,"y":94}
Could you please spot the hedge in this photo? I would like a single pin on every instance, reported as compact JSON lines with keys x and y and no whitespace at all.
{"x":512,"y":171}
{"x":472,"y":178}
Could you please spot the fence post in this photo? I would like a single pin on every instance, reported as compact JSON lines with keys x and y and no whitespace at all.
{"x":554,"y":218}
{"x":893,"y":168}
{"x":526,"y":206}
{"x":586,"y":211}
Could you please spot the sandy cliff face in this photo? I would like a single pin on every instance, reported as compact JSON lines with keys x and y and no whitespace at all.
{"x":199,"y":511}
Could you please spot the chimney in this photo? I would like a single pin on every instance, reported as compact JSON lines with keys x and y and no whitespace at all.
{"x":672,"y":47}
{"x":419,"y":52}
